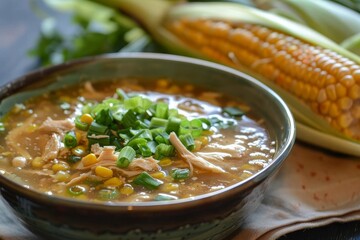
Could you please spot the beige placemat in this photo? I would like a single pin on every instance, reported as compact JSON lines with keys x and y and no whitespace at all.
{"x":313,"y":188}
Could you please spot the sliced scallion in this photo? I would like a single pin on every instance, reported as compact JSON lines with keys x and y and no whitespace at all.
{"x":158,"y":123}
{"x":188,"y":141}
{"x":163,"y":150}
{"x":126,"y":155}
{"x":129,"y":119}
{"x":233,"y":112}
{"x":121,"y":94}
{"x":70,"y":140}
{"x":80,"y":125}
{"x":173,"y":125}
{"x":180,"y":173}
{"x":104,"y":117}
{"x":161,"y":110}
{"x":97,"y":129}
{"x":164,"y":197}
{"x":144,"y":179}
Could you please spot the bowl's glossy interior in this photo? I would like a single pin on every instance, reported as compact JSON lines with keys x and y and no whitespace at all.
{"x":225,"y":202}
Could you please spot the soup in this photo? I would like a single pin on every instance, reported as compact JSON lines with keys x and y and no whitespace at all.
{"x":132,"y":140}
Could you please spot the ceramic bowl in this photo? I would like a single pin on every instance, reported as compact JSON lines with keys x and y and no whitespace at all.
{"x":211,"y":216}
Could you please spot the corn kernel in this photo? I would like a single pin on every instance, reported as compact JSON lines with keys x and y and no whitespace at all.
{"x":62,"y":176}
{"x":37,"y":162}
{"x":345,"y":103}
{"x":168,"y":187}
{"x":204,"y":140}
{"x":165,"y":162}
{"x":127,"y":189}
{"x":344,"y":120}
{"x":89,"y":159}
{"x":103,"y":172}
{"x":198,"y":145}
{"x":86,"y":118}
{"x":61,"y":166}
{"x":114,"y":182}
{"x":158,"y":175}
{"x":354,"y":92}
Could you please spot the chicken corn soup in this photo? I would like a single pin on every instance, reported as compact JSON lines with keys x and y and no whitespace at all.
{"x":132,"y":141}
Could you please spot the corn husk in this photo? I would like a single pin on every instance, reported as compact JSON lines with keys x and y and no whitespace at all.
{"x":312,"y":127}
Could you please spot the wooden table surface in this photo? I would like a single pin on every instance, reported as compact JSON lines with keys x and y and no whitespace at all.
{"x":19,"y":30}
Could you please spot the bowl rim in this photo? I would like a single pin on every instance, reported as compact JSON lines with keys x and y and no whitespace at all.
{"x":16,"y":84}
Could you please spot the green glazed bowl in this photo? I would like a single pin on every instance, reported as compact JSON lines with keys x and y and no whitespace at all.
{"x":210,"y":216}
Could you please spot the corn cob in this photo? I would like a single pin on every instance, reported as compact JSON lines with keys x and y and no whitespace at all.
{"x":318,"y":79}
{"x":327,"y":82}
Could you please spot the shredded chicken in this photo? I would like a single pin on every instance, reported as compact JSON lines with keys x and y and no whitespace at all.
{"x":52,"y":148}
{"x":12,"y":139}
{"x":214,"y":156}
{"x":96,"y":149}
{"x":147,"y":164}
{"x":126,"y":173}
{"x":91,"y":93}
{"x":192,"y":158}
{"x":78,"y":179}
{"x":56,"y":126}
{"x":108,"y":154}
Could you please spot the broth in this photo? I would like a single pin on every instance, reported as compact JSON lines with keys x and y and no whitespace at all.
{"x":80,"y":142}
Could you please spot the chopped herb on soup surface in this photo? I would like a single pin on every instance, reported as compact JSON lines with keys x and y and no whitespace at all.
{"x":132,"y":140}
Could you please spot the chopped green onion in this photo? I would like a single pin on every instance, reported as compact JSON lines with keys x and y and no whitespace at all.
{"x":108,"y":194}
{"x":173,"y":125}
{"x":121,"y":94}
{"x":142,"y":124}
{"x":126,"y":155}
{"x":163,"y":137}
{"x":102,"y":141}
{"x":147,"y":181}
{"x":233,"y":112}
{"x":86,"y":108}
{"x":73,"y":159}
{"x":97,"y":129}
{"x":115,"y":142}
{"x":143,"y":133}
{"x":180,"y":173}
{"x":163,"y":150}
{"x":206,"y":123}
{"x":173,"y":113}
{"x":133,"y":102}
{"x":129,"y":119}
{"x":81,"y":125}
{"x":152,"y":146}
{"x":188,"y":141}
{"x":158,"y":123}
{"x":136,"y":141}
{"x":164,"y":197}
{"x":76,"y":190}
{"x":70,"y":140}
{"x":145,"y":150}
{"x":104,"y":117}
{"x":194,"y":127}
{"x":161,"y":110}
